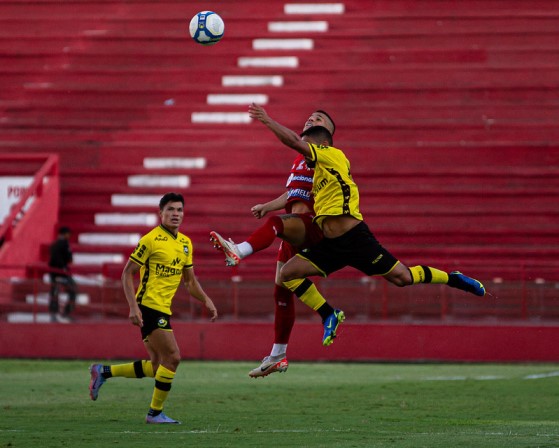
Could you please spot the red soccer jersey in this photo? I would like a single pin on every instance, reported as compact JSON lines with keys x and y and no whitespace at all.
{"x":299,"y":184}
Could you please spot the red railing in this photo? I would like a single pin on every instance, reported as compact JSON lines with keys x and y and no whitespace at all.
{"x":29,"y":224}
{"x":49,"y":168}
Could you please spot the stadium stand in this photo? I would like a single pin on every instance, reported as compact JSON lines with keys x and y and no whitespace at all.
{"x":447,"y":111}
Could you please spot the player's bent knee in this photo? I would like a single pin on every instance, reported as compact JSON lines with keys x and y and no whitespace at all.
{"x":399,"y":280}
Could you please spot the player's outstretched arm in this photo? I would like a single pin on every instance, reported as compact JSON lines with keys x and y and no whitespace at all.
{"x":286,"y":136}
{"x":195,"y":290}
{"x":260,"y":210}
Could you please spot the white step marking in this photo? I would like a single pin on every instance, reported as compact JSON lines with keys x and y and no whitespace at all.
{"x":281,"y":61}
{"x":175,"y":162}
{"x":109,"y":239}
{"x":220,"y":117}
{"x":219,"y":98}
{"x":126,"y":219}
{"x":314,"y":8}
{"x":282,"y":44}
{"x":318,"y":26}
{"x":252,"y":81}
{"x":152,"y":180}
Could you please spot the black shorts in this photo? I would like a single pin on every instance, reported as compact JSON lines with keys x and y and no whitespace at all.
{"x":357,"y":248}
{"x":153,"y":320}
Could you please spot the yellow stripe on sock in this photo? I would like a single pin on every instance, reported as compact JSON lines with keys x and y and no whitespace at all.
{"x":163,"y":376}
{"x":310,"y":297}
{"x":427,"y":274}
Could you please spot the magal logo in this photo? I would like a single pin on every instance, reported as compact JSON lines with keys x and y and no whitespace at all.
{"x":166,"y":271}
{"x":175,"y":261}
{"x":162,"y":322}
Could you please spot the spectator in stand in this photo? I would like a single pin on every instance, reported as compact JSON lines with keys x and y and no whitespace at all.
{"x":347,"y":239}
{"x":60,"y":276}
{"x":297,"y":232}
{"x":163,"y":257}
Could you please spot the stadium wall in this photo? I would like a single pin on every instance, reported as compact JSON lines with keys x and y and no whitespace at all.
{"x":252,"y":340}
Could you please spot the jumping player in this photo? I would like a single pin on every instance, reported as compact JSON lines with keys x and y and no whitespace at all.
{"x":297,"y":232}
{"x":347,"y":239}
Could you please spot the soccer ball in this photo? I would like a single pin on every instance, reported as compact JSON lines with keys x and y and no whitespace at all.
{"x":207,"y":28}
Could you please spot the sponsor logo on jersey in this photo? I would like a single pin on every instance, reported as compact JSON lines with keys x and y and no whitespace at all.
{"x":166,"y":271}
{"x":160,"y":238}
{"x":320,"y":186}
{"x":298,"y":178}
{"x":299,"y":193}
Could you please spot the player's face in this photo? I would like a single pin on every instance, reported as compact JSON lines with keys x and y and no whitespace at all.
{"x":318,"y":119}
{"x":172,"y":215}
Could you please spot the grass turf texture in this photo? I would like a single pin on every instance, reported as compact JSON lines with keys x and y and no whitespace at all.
{"x":46,"y":404}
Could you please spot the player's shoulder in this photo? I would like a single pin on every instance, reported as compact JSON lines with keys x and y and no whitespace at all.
{"x":328,"y":151}
{"x":182,"y":238}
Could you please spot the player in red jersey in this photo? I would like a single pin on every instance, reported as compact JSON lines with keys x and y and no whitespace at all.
{"x":297,"y":232}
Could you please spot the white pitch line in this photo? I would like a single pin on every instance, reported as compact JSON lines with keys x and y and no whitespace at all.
{"x":464,"y":378}
{"x":304,"y":431}
{"x":537,"y":376}
{"x":216,"y":431}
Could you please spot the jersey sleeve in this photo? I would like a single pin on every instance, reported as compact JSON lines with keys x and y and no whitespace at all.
{"x":142,"y":251}
{"x":189,"y":252}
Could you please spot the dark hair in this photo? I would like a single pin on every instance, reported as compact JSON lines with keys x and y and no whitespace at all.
{"x":64,"y":230}
{"x":329,"y":118}
{"x":170,"y":197}
{"x":318,"y":134}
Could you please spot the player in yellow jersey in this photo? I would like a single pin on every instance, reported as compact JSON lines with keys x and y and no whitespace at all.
{"x":163,"y":257}
{"x":347,"y":239}
{"x":296,"y":230}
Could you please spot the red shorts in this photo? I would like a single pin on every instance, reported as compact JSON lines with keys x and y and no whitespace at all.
{"x":313,"y":234}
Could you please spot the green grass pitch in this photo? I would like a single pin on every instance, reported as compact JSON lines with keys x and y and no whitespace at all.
{"x":46,"y":404}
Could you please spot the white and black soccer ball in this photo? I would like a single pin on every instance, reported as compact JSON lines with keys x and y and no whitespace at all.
{"x":207,"y":28}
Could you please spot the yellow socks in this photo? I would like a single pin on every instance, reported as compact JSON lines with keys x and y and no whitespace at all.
{"x":163,"y":379}
{"x":306,"y":291}
{"x":426,"y":274}
{"x":137,"y":369}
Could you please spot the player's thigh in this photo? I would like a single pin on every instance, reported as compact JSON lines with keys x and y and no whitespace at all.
{"x":298,"y":267}
{"x":293,"y":230}
{"x":165,"y":348}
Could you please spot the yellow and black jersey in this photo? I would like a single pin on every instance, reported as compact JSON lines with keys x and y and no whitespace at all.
{"x":335,"y":192}
{"x":162,"y":256}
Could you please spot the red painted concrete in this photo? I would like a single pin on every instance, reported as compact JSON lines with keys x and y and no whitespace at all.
{"x":252,"y":341}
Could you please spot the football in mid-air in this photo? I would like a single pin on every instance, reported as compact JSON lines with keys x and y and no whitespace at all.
{"x":207,"y":28}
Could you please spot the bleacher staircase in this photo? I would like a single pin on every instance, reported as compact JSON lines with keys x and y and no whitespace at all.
{"x":447,"y":110}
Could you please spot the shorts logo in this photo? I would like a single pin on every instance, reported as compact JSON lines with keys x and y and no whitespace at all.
{"x":376,"y":260}
{"x":162,"y":322}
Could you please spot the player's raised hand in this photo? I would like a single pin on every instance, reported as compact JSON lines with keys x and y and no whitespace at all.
{"x":258,"y":113}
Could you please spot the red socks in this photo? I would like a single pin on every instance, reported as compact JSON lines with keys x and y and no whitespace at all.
{"x":265,"y":235}
{"x":284,"y":317}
